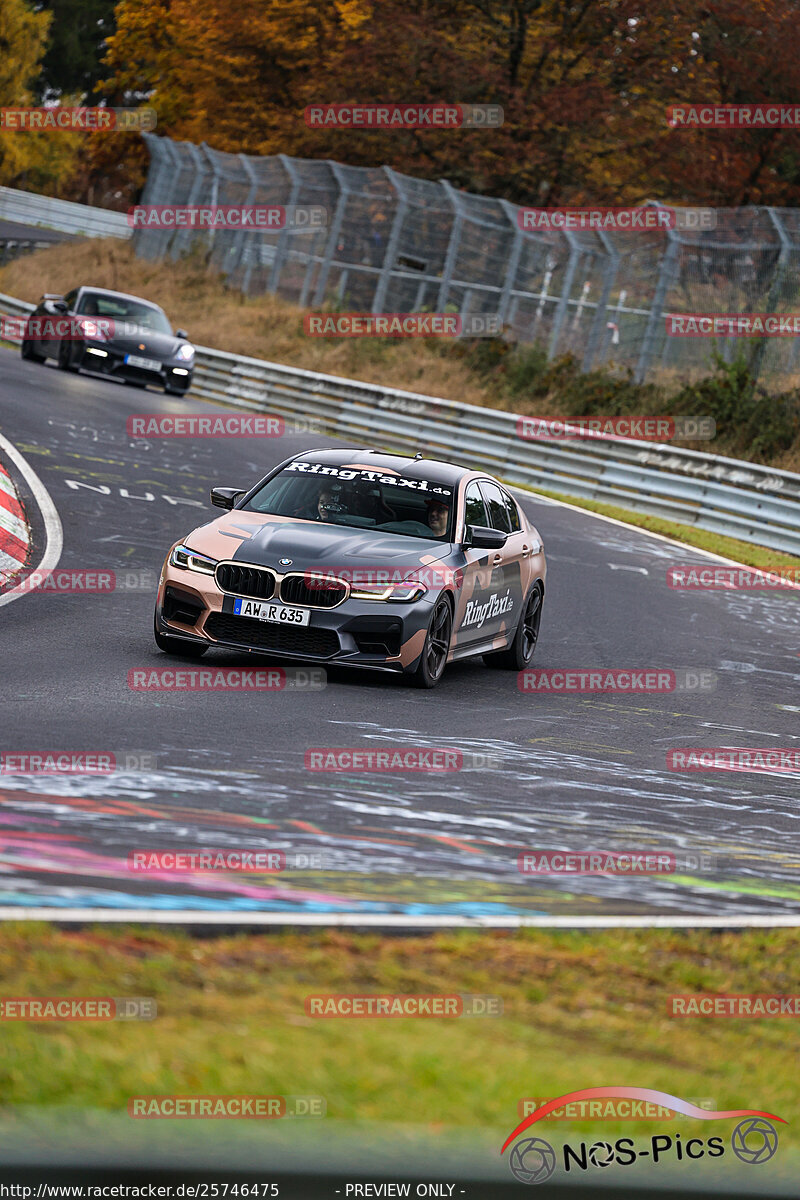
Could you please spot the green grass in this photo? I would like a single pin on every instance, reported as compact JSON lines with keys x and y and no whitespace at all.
{"x":580,"y":1009}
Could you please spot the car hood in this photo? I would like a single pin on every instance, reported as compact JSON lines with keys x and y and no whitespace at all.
{"x":146,"y":343}
{"x":264,"y":540}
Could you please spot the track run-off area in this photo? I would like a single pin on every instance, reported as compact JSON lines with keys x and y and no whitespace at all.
{"x":226,"y":770}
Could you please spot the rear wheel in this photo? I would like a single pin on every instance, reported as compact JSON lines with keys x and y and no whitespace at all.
{"x":176,"y":645}
{"x":29,"y":354}
{"x":435,"y":650}
{"x":520,"y":652}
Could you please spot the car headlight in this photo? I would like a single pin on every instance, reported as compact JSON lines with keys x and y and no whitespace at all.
{"x":185,"y":353}
{"x":403,"y":592}
{"x":190,"y":560}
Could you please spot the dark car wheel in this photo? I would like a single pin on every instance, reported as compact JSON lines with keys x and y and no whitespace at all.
{"x":29,"y":354}
{"x":520,"y":652}
{"x":435,"y":650}
{"x":173,"y":391}
{"x":175,"y":645}
{"x":137,"y":383}
{"x":65,"y":362}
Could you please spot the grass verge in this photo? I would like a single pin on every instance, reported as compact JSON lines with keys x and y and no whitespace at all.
{"x":579,"y":1010}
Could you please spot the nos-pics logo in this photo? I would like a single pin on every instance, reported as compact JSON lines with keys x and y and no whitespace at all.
{"x":533,"y":1160}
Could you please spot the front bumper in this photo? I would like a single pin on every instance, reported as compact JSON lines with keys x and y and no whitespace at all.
{"x":103,"y":359}
{"x":360,"y":633}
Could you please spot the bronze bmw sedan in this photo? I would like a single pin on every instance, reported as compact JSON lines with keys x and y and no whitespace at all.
{"x":361,"y":558}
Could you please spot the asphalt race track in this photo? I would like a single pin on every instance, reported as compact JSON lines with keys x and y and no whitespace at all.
{"x":226,"y":769}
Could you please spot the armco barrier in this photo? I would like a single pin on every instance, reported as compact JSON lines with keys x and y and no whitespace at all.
{"x":28,"y":208}
{"x":724,"y":495}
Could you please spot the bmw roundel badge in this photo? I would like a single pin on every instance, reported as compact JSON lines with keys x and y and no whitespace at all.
{"x":285,"y":562}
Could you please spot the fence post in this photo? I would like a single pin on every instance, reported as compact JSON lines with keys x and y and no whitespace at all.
{"x":282,"y":246}
{"x":333,"y":236}
{"x":511,"y":212}
{"x":760,"y":348}
{"x":665,"y":277}
{"x":237,"y":252}
{"x":566,"y":288}
{"x":452,"y":245}
{"x":393,"y":241}
{"x":609,"y":276}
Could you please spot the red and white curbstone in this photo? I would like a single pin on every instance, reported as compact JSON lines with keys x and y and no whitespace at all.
{"x":15,"y":535}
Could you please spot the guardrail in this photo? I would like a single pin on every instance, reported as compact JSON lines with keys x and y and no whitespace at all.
{"x":723,"y":495}
{"x":28,"y":208}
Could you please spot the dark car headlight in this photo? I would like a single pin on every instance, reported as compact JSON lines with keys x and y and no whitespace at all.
{"x":190,"y":560}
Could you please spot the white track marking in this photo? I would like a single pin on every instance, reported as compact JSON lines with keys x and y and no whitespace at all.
{"x":390,"y":921}
{"x":54,"y":534}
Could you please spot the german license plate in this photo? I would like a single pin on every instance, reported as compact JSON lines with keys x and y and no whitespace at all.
{"x":278,"y":614}
{"x":144,"y":364}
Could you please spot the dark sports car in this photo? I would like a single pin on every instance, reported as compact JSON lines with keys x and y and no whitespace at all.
{"x":114,"y":334}
{"x":357,"y":557}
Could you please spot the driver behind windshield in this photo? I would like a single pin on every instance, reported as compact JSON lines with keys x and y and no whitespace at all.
{"x":438,"y":516}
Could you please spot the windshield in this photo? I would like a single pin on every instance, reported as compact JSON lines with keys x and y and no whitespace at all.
{"x":134,"y":313}
{"x":361,"y":499}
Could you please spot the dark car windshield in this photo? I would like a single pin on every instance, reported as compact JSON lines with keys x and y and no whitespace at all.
{"x":130,"y":312}
{"x":361,"y":499}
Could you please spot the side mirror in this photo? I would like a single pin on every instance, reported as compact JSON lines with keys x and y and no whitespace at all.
{"x":181,"y":333}
{"x":61,"y":306}
{"x":481,"y":537}
{"x":222,"y":497}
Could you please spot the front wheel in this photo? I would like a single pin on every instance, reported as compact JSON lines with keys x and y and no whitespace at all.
{"x":176,"y":645}
{"x":65,"y":357}
{"x":29,"y":354}
{"x":436,"y":647}
{"x":520,"y":652}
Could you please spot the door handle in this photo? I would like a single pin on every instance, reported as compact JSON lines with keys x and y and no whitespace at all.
{"x":526,"y":551}
{"x":498,"y":558}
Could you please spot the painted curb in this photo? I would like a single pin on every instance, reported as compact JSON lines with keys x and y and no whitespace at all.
{"x":15,"y":534}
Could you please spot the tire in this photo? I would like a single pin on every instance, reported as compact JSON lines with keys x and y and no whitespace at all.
{"x":517,"y":656}
{"x":64,"y":361}
{"x":134,"y":383}
{"x":29,"y":354}
{"x":171,"y":391}
{"x":433,"y":659}
{"x":176,"y":645}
